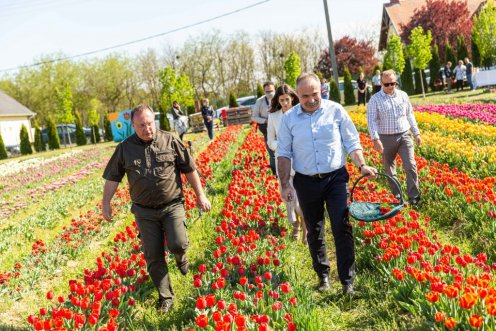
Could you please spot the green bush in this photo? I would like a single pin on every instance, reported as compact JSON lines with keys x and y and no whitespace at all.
{"x":164,"y":121}
{"x":107,"y":129}
{"x":39,"y":144}
{"x":407,"y":79}
{"x":80,"y":137}
{"x":53,"y":137}
{"x":95,"y":134}
{"x":25,"y":143}
{"x":232,"y":100}
{"x":349,"y":94}
{"x":3,"y":150}
{"x":260,"y":91}
{"x":334,"y":94}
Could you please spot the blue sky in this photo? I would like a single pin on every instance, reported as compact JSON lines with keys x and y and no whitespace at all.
{"x":31,"y":28}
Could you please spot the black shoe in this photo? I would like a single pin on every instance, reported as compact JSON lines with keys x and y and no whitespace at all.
{"x":164,"y":305}
{"x":182,"y":263}
{"x":348,"y":289}
{"x":324,"y":284}
{"x":415,"y":201}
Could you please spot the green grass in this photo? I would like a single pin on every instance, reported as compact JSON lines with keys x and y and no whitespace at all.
{"x":462,"y":97}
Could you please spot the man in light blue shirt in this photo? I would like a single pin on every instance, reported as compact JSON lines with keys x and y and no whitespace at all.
{"x":316,"y":134}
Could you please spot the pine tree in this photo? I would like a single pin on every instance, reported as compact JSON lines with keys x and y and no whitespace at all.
{"x":476,"y":59}
{"x":260,"y":91}
{"x":3,"y":150}
{"x":461,"y":48}
{"x":407,"y":77}
{"x":434,"y":67}
{"x":450,"y":55}
{"x":334,"y":94}
{"x":80,"y":136}
{"x":164,"y":121}
{"x":349,"y":94}
{"x":53,"y":137}
{"x":39,"y":144}
{"x":108,"y":129}
{"x":25,"y":143}
{"x":232,"y":100}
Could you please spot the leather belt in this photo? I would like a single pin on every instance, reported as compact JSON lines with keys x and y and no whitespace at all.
{"x":159,"y":206}
{"x":319,"y":176}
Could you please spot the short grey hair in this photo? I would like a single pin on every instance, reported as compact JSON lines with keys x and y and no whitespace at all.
{"x":306,"y":76}
{"x":388,"y":73}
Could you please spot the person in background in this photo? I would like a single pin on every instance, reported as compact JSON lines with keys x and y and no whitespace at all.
{"x":153,"y":161}
{"x":315,"y":134}
{"x":390,"y":119}
{"x":208,"y":118}
{"x":283,"y":100}
{"x":469,"y":69}
{"x":324,"y":89}
{"x":376,"y":81}
{"x":261,"y":115}
{"x":176,"y":115}
{"x":459,"y":73}
{"x":362,"y":88}
{"x":448,"y":76}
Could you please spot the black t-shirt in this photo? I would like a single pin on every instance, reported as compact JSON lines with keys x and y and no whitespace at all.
{"x":361,"y":83}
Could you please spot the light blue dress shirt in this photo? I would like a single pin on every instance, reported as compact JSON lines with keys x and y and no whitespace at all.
{"x":317,"y":141}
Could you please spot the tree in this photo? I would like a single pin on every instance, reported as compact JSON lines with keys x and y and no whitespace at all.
{"x":420,"y":49}
{"x":164,"y":121}
{"x":484,"y":32}
{"x":476,"y":60}
{"x":3,"y":150}
{"x":349,"y":94}
{"x":108,"y":130}
{"x":292,"y":69}
{"x":232,"y":100}
{"x":93,"y":119}
{"x":39,"y":144}
{"x":64,"y":109}
{"x":393,"y":59}
{"x":25,"y":143}
{"x":350,"y":53}
{"x":174,"y":88}
{"x":80,"y":136}
{"x":434,"y":67}
{"x":446,"y":19}
{"x":407,"y":76}
{"x":53,"y":137}
{"x":450,"y":55}
{"x":461,"y":48}
{"x":260,"y":91}
{"x":334,"y":91}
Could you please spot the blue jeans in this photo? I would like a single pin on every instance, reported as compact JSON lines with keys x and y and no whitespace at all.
{"x":469,"y":81}
{"x":210,"y":129}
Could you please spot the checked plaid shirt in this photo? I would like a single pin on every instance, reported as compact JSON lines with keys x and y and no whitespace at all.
{"x":390,"y":114}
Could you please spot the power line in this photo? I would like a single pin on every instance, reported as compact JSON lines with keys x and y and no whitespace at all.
{"x":138,"y":40}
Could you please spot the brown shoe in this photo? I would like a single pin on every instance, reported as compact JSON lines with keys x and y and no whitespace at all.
{"x":182,"y":263}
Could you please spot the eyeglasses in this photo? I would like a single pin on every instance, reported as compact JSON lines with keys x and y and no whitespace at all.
{"x":390,"y":84}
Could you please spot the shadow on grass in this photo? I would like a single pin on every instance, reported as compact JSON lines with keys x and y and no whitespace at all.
{"x":13,"y":328}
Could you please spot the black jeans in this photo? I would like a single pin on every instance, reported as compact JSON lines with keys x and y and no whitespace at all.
{"x":272,"y":157}
{"x":333,"y":191}
{"x":361,"y":98}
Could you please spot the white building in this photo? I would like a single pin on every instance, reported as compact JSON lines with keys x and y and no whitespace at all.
{"x":12,"y":116}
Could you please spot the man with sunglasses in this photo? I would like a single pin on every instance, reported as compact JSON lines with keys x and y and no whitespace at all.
{"x":390,"y":120}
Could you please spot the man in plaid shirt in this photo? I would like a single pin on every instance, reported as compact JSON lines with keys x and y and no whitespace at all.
{"x":390,"y":119}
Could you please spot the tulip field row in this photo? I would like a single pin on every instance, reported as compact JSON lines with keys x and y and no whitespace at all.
{"x":435,"y":263}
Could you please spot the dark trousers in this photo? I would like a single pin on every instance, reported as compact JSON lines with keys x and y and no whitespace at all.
{"x":272,"y":158}
{"x":361,"y":98}
{"x":377,"y":88}
{"x":210,"y":129}
{"x":332,"y":191}
{"x":155,"y":226}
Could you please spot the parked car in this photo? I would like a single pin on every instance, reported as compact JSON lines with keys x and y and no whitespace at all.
{"x":62,"y":130}
{"x":248,"y":101}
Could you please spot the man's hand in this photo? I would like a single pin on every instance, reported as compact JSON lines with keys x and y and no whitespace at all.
{"x":107,"y":211}
{"x":378,"y":146}
{"x":418,"y":140}
{"x":203,"y":203}
{"x":369,"y":171}
{"x":287,"y":193}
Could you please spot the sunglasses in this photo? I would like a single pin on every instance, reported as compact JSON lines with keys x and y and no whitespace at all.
{"x":390,"y":84}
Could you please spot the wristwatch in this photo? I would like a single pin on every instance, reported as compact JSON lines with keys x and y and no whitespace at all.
{"x":361,"y":166}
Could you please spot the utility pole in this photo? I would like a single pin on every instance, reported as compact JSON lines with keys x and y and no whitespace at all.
{"x":332,"y":53}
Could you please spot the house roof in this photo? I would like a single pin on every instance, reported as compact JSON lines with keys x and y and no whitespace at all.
{"x":11,"y":107}
{"x":399,"y":12}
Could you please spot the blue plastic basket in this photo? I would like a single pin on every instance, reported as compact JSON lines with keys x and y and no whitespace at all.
{"x":371,"y":211}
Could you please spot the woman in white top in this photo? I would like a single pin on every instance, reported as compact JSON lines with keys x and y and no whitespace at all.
{"x":459,"y":73}
{"x":283,"y":100}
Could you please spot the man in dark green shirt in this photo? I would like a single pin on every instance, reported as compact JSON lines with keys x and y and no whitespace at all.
{"x":153,"y":161}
